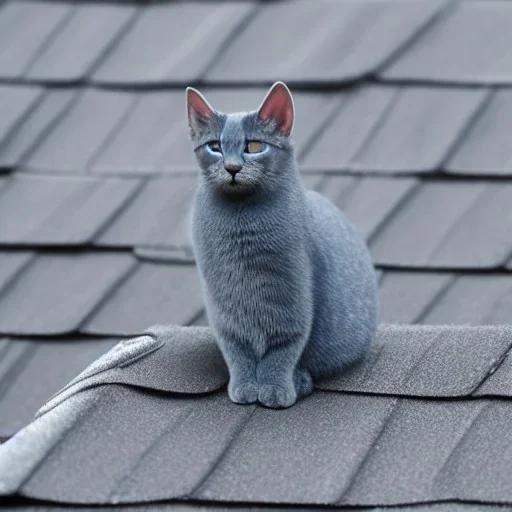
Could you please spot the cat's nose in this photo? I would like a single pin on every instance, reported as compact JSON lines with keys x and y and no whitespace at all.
{"x":232,"y":169}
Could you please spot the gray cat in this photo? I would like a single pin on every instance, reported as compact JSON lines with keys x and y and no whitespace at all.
{"x":289,"y":285}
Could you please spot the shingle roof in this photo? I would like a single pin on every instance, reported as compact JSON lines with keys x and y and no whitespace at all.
{"x":336,"y":447}
{"x":402,"y":121}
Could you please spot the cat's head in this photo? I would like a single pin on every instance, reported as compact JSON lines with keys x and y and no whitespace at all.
{"x":244,"y":153}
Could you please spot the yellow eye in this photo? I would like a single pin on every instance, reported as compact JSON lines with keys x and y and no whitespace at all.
{"x":253,"y":146}
{"x":214,"y":146}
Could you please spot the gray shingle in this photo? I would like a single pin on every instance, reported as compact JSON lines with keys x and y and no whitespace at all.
{"x":67,"y":211}
{"x":55,"y":293}
{"x":156,"y":446}
{"x":11,"y":264}
{"x":331,"y":41}
{"x":474,"y":299}
{"x":449,"y":225}
{"x":449,"y":506}
{"x":155,"y":135}
{"x":154,"y":293}
{"x":367,"y":202}
{"x":499,"y":382}
{"x":406,"y":361}
{"x":25,"y":29}
{"x":172,"y":43}
{"x":426,"y":361}
{"x":417,"y":441}
{"x":148,"y":130}
{"x":416,"y":134}
{"x":157,"y":217}
{"x":482,"y":459}
{"x":406,"y":297}
{"x":439,"y":450}
{"x":14,"y":357}
{"x":354,"y":123}
{"x":81,"y":133}
{"x":45,"y":367}
{"x":149,"y":361}
{"x":16,"y":102}
{"x":276,"y":459}
{"x":36,"y":125}
{"x":164,"y":254}
{"x":156,"y":416}
{"x":86,"y":36}
{"x":485,"y":149}
{"x":449,"y":51}
{"x":193,"y":446}
{"x":386,"y":129}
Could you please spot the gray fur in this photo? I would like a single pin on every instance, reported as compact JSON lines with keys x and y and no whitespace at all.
{"x":288,"y":282}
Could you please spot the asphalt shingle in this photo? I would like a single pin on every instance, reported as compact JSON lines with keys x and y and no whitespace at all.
{"x":406,"y":297}
{"x":416,"y":134}
{"x":426,"y":361}
{"x":152,"y":293}
{"x":80,"y":43}
{"x":11,"y":265}
{"x":40,"y":120}
{"x":172,"y":42}
{"x":15,"y":103}
{"x":395,"y":130}
{"x":54,"y":294}
{"x":156,"y":217}
{"x":48,"y":210}
{"x":331,"y":41}
{"x":474,"y":299}
{"x":50,"y":364}
{"x":25,"y":30}
{"x":447,"y":224}
{"x":81,"y":132}
{"x":158,"y":446}
{"x":366,"y":202}
{"x":449,"y":50}
{"x":351,"y":126}
{"x":485,"y":149}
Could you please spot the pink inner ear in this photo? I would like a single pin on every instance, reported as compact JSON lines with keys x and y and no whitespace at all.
{"x":197,"y":105}
{"x":278,"y":105}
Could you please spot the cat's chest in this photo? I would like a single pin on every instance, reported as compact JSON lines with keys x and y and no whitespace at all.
{"x":238,"y":241}
{"x":241,"y":242}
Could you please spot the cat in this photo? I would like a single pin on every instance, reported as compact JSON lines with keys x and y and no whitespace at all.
{"x":288,"y":282}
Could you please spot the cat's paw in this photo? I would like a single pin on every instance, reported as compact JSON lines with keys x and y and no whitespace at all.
{"x":243,"y":392}
{"x":303,"y":382}
{"x":277,"y":397}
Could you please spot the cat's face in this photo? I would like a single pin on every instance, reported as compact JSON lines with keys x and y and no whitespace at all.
{"x":243,"y":153}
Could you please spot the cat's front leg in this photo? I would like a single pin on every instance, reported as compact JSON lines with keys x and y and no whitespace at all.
{"x":243,"y":384}
{"x":275,"y":373}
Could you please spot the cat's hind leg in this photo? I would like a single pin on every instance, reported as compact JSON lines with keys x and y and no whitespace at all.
{"x":303,"y":382}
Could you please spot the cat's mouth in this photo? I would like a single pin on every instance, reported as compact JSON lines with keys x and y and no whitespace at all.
{"x":236,"y":186}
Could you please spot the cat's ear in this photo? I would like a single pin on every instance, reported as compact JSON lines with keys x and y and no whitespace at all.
{"x":200,"y":113}
{"x":278,"y":106}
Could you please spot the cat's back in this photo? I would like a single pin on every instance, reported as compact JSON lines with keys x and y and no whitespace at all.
{"x":345,"y":289}
{"x":331,"y":229}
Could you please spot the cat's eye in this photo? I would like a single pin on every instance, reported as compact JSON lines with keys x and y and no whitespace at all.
{"x":253,"y":146}
{"x":215,"y":146}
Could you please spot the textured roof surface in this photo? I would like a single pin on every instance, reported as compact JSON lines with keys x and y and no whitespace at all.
{"x":403,"y":120}
{"x":170,"y":432}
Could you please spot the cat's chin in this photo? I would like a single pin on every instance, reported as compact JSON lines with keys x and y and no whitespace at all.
{"x":237,"y":190}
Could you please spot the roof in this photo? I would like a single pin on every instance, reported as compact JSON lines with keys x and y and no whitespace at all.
{"x":385,"y":433}
{"x":404,"y":113}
